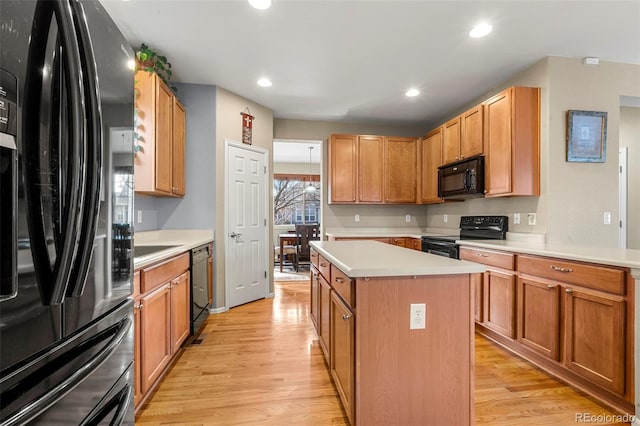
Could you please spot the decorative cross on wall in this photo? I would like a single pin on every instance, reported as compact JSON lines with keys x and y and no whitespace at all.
{"x":247,"y":126}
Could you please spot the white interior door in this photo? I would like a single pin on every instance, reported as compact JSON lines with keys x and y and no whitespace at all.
{"x":246,"y":224}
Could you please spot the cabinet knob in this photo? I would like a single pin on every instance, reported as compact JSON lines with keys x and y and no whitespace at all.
{"x":568,"y":290}
{"x":138,"y":306}
{"x":324,"y":265}
{"x":482,"y":255}
{"x":346,"y":317}
{"x":339,"y":280}
{"x":551,"y":286}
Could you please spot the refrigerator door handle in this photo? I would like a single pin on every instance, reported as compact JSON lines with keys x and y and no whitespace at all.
{"x":33,"y":409}
{"x":93,"y":148}
{"x":53,"y":281}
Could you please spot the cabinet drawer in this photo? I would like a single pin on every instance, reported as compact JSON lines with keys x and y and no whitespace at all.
{"x":398,"y":241}
{"x":343,"y":285}
{"x":591,"y":276}
{"x":324,"y":267}
{"x":314,"y":258}
{"x":155,"y":275}
{"x":488,"y":257}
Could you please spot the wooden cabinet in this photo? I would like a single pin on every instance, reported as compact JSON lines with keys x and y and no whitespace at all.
{"x":372,"y":169}
{"x":398,"y":241}
{"x":499,"y":302}
{"x":476,"y":284}
{"x":430,"y":160}
{"x":400,"y":170}
{"x":160,"y":124}
{"x":451,"y":141}
{"x":343,"y":168}
{"x":324,"y":330}
{"x":463,"y":136}
{"x":155,"y":335}
{"x":512,"y":141}
{"x":416,"y":243}
{"x":539,"y":316}
{"x":594,"y":317}
{"x":342,"y":353}
{"x":161,"y":320}
{"x":594,"y":337}
{"x":498,"y":286}
{"x":572,"y":318}
{"x":314,"y":297}
{"x":180,"y":305}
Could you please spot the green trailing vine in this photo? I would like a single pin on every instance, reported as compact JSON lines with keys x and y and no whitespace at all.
{"x":149,"y":60}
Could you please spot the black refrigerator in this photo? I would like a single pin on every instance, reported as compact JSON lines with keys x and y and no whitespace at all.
{"x":66,"y":214}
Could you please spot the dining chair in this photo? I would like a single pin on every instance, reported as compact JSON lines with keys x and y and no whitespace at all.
{"x":306,"y":233}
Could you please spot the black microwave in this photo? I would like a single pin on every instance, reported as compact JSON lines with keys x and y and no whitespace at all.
{"x":464,"y":179}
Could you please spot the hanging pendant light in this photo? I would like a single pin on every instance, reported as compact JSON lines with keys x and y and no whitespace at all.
{"x":310,"y":187}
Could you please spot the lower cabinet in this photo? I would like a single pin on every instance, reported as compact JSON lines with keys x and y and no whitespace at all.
{"x":594,"y":337}
{"x":161,"y":320}
{"x":314,"y":293}
{"x":180,"y":305}
{"x":539,"y":316}
{"x":342,"y":361}
{"x":571,"y":318}
{"x":155,"y":335}
{"x":499,"y":302}
{"x":324,"y":329}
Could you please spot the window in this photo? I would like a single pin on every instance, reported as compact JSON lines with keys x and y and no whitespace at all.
{"x":292,"y":203}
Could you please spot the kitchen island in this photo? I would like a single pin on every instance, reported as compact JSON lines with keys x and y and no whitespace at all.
{"x":396,"y":327}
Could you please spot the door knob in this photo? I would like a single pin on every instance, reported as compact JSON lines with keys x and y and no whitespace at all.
{"x":235,"y":234}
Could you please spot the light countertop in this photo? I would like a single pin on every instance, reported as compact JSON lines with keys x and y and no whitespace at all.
{"x":629,"y":258}
{"x":375,"y":259}
{"x":181,"y":240}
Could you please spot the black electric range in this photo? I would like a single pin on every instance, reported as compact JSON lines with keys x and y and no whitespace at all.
{"x":471,"y":228}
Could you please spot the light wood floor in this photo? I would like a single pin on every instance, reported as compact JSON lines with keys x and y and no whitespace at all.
{"x":260,"y":364}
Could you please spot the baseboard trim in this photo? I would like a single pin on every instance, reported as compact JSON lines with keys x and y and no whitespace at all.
{"x":218,"y":310}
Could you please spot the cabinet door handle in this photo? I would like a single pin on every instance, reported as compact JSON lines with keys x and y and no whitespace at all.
{"x":339,"y":280}
{"x":324,"y":265}
{"x":138,"y":306}
{"x":560,"y":269}
{"x":482,"y":255}
{"x":551,"y":286}
{"x":568,"y":290}
{"x":346,"y":317}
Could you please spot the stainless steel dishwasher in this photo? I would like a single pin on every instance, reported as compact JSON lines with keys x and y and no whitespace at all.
{"x":199,"y":287}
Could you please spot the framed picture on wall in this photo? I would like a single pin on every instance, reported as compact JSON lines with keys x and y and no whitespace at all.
{"x":586,"y":136}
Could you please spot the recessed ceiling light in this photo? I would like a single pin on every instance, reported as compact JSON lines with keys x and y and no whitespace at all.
{"x":264,"y":82}
{"x":412,"y":92}
{"x":480,"y":30}
{"x":260,"y":4}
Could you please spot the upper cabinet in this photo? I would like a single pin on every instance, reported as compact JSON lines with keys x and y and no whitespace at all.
{"x":372,"y":169}
{"x":159,"y":166}
{"x":463,"y":136}
{"x":512,"y":140}
{"x":430,"y":160}
{"x":400,"y":170}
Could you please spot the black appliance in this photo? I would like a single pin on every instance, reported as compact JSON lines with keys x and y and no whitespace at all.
{"x":471,"y":228}
{"x":200,"y":260}
{"x":464,"y":179}
{"x":66,"y":175}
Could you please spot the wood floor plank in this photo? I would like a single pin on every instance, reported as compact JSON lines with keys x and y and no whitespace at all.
{"x":260,"y":364}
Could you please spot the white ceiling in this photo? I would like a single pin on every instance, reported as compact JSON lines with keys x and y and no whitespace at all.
{"x":352,"y":60}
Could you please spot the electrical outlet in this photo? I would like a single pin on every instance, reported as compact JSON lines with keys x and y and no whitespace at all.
{"x":516,"y":218}
{"x":418,"y":316}
{"x":607,"y":218}
{"x":531,"y":217}
{"x":357,"y":218}
{"x":139,"y":216}
{"x":407,"y":218}
{"x":445,"y":218}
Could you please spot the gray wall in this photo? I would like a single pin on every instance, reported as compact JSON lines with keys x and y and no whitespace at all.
{"x":196,"y":210}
